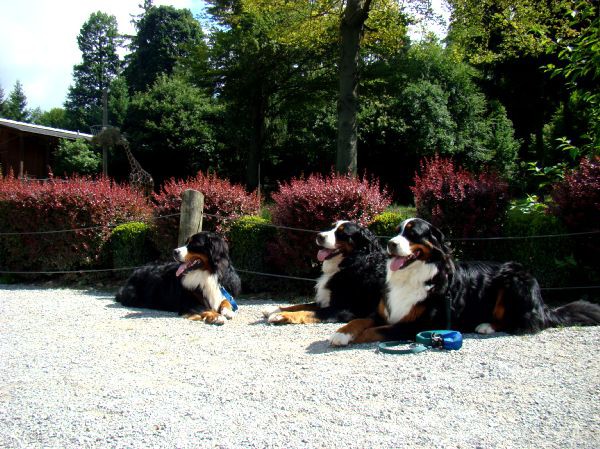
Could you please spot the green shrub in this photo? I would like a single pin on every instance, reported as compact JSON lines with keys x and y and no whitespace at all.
{"x":549,"y":259}
{"x":248,"y":237}
{"x":131,"y":245}
{"x":76,"y":156}
{"x":385,"y":224}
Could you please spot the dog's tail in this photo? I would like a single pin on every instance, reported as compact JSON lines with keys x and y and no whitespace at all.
{"x":577,"y":313}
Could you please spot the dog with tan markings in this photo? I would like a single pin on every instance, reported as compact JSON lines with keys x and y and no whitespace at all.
{"x":352,"y":280}
{"x":426,"y":286}
{"x":191,"y":286}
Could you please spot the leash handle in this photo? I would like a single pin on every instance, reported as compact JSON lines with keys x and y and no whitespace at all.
{"x":393,"y":347}
{"x":442,"y":339}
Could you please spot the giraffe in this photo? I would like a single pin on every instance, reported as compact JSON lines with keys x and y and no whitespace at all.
{"x":139,"y":178}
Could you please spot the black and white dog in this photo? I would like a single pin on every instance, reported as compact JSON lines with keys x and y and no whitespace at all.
{"x":192,"y":286}
{"x":352,"y":280}
{"x":426,"y":286}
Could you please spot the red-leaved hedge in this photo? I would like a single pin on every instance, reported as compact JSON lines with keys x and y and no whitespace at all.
{"x":577,"y":197}
{"x":79,"y":202}
{"x":221,"y":198}
{"x":314,"y":203}
{"x":460,"y":203}
{"x":577,"y":205}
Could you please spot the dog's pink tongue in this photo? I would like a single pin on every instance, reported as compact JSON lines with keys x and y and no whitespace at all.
{"x":397,"y":263}
{"x":181,"y":269}
{"x":323,"y":253}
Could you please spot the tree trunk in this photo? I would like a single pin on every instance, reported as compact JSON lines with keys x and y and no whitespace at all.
{"x":255,"y":150}
{"x":351,"y":31}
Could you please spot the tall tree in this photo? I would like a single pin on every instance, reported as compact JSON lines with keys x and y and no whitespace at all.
{"x":165,"y":35}
{"x":15,"y":106}
{"x":579,"y":67}
{"x":351,"y":31}
{"x":277,"y":55}
{"x":353,"y":23}
{"x":171,"y":129}
{"x":54,"y":118}
{"x":509,"y":41}
{"x":268,"y":58}
{"x":2,"y":100}
{"x":98,"y":41}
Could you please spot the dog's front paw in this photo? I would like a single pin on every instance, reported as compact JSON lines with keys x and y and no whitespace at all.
{"x":268,"y":311}
{"x":485,"y":329}
{"x":227,"y":313}
{"x":212,"y":317}
{"x":278,"y":318}
{"x":340,"y":339}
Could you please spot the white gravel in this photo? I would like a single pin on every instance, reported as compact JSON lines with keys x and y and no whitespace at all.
{"x":78,"y":371}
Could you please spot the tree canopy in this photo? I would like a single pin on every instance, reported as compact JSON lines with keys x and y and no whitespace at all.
{"x":165,"y":35}
{"x":98,"y":41}
{"x":15,"y":106}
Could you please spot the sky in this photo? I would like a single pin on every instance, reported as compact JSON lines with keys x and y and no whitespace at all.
{"x":38,"y":42}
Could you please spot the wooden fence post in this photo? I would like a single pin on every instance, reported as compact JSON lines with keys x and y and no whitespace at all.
{"x":190,"y":221}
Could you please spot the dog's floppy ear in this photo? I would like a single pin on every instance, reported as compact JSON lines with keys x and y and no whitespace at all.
{"x":438,"y":240}
{"x":359,"y":237}
{"x":218,"y":252}
{"x":367,"y":239}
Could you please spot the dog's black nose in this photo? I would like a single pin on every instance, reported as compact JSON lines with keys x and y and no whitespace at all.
{"x":392,"y":246}
{"x":320,"y":239}
{"x":175,"y":254}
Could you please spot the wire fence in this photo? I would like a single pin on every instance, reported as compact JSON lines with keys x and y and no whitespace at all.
{"x":258,"y":273}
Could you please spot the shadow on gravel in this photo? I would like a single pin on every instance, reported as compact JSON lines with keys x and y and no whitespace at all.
{"x":321,"y":347}
{"x":142,"y":313}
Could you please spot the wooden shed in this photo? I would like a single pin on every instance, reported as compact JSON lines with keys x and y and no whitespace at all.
{"x":27,"y":149}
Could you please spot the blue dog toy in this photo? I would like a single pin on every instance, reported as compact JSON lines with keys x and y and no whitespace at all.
{"x":440,"y":339}
{"x":229,"y":298}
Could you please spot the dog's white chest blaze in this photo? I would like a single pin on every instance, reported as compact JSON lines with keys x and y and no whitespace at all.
{"x":208,"y":283}
{"x":407,"y":287}
{"x":329,"y":268}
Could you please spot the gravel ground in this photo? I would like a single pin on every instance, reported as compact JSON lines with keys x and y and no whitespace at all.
{"x":80,"y":371}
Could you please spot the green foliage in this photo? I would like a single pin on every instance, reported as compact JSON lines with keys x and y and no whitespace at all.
{"x":54,"y":118}
{"x":579,"y":67}
{"x":165,"y":35}
{"x":118,"y":101}
{"x":2,"y":101}
{"x":275,"y":83}
{"x":549,"y":259}
{"x":98,"y":41}
{"x":76,"y":156}
{"x":424,"y":102}
{"x":15,"y":106}
{"x":132,"y":245}
{"x":248,"y":239}
{"x":498,"y":30}
{"x":171,"y":127}
{"x":385,"y":224}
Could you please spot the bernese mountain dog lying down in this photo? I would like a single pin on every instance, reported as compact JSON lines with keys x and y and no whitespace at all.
{"x":352,"y":280}
{"x":423,"y":280}
{"x":192,"y":286}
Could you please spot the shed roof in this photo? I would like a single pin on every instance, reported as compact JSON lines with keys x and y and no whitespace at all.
{"x":44,"y":130}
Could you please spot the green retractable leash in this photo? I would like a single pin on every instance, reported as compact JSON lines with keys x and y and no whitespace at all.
{"x":438,"y":339}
